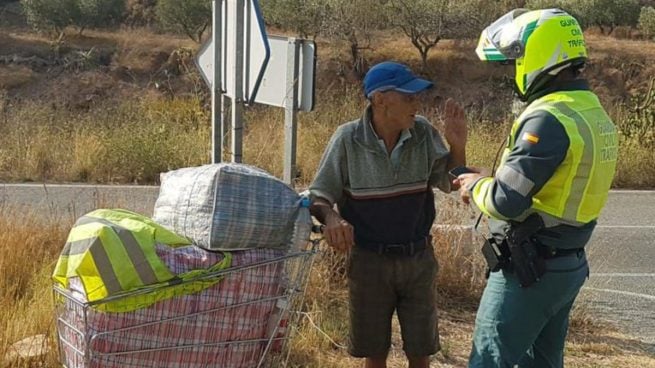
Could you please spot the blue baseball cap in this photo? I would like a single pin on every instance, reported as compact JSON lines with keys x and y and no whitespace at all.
{"x":389,"y":75}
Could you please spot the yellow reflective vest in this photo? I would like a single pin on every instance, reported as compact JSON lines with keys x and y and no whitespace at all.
{"x":113,"y":252}
{"x":578,"y":189}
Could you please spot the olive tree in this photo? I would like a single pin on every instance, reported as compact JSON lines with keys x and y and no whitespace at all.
{"x":426,"y":22}
{"x":190,"y":17}
{"x":304,"y":17}
{"x":647,"y":21}
{"x":544,"y":4}
{"x":99,"y":13}
{"x":354,"y":21}
{"x":140,"y":13}
{"x":51,"y":16}
{"x":606,"y":14}
{"x":422,"y":21}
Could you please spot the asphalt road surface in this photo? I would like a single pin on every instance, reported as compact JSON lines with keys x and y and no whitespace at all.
{"x":621,"y":287}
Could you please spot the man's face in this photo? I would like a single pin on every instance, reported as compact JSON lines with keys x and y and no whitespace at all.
{"x":401,"y":108}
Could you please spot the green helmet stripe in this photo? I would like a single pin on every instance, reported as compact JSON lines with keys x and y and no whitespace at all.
{"x":496,"y":57}
{"x":529,"y":28}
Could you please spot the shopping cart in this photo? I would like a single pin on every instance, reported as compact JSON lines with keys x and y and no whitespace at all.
{"x":244,"y":320}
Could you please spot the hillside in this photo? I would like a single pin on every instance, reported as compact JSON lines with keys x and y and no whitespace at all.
{"x":130,"y":62}
{"x":79,"y":79}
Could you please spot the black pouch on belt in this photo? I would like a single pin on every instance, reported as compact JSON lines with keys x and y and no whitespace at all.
{"x":496,"y":255}
{"x":527,"y":263}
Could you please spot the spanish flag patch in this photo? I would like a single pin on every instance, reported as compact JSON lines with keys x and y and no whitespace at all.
{"x":529,"y":137}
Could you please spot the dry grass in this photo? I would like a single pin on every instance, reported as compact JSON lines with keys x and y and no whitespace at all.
{"x":131,"y":142}
{"x":28,"y":251}
{"x":29,"y":246}
{"x":602,"y":46}
{"x":134,"y":141}
{"x":14,"y":76}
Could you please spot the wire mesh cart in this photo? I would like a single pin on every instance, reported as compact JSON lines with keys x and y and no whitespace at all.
{"x":243,"y":320}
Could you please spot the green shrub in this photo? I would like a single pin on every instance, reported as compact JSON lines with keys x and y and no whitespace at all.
{"x":140,"y":13}
{"x":305,"y":17}
{"x":99,"y":13}
{"x":51,"y":16}
{"x":647,"y":21}
{"x":544,"y":4}
{"x":606,"y":14}
{"x":637,"y":118}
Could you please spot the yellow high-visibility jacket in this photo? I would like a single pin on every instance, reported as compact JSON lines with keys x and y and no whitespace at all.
{"x":559,"y":161}
{"x":113,"y":252}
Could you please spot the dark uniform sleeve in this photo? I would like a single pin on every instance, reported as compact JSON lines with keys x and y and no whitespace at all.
{"x":540,"y":146}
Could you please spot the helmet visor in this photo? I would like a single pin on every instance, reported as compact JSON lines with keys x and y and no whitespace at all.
{"x":501,"y":41}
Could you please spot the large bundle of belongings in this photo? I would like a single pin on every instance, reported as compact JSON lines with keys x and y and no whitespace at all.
{"x":208,"y":282}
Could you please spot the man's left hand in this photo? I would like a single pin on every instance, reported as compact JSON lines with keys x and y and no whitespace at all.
{"x":456,"y":130}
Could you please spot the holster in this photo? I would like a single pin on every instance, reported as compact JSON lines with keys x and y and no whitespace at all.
{"x":496,"y":254}
{"x":525,"y":258}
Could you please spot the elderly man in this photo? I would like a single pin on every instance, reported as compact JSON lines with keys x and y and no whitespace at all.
{"x":379,"y":171}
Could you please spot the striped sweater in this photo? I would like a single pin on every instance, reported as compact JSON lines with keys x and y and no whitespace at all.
{"x":386,"y":203}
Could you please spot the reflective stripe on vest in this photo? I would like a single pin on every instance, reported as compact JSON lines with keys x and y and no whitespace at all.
{"x":134,"y":250}
{"x":577,"y":191}
{"x":113,"y":251}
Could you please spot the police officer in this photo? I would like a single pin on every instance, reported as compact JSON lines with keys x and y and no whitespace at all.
{"x":558,"y":163}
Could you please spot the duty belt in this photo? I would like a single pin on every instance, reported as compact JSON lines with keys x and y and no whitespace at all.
{"x":401,"y":249}
{"x":548,"y":252}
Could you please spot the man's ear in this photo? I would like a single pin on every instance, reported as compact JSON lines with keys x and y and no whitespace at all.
{"x":377,"y":99}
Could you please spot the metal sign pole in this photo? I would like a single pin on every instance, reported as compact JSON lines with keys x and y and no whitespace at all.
{"x":291,"y":111}
{"x":216,"y":92}
{"x":237,"y":100}
{"x":225,"y":113}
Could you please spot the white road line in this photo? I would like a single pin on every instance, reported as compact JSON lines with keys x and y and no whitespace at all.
{"x":623,"y":274}
{"x":626,"y":293}
{"x":625,"y":226}
{"x":630,"y":191}
{"x":467,"y":227}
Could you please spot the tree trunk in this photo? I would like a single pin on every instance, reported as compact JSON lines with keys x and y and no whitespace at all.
{"x":424,"y":57}
{"x":357,"y":61}
{"x":602,"y":29}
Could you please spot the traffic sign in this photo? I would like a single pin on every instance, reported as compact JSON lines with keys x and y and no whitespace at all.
{"x":273,"y":89}
{"x":256,"y":50}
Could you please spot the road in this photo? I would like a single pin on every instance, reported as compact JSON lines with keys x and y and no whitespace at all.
{"x":71,"y":201}
{"x":621,"y":287}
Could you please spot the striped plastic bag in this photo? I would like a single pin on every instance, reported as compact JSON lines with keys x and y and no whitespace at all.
{"x":227,"y":206}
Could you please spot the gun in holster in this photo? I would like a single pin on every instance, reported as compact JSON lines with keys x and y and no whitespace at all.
{"x":518,"y":252}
